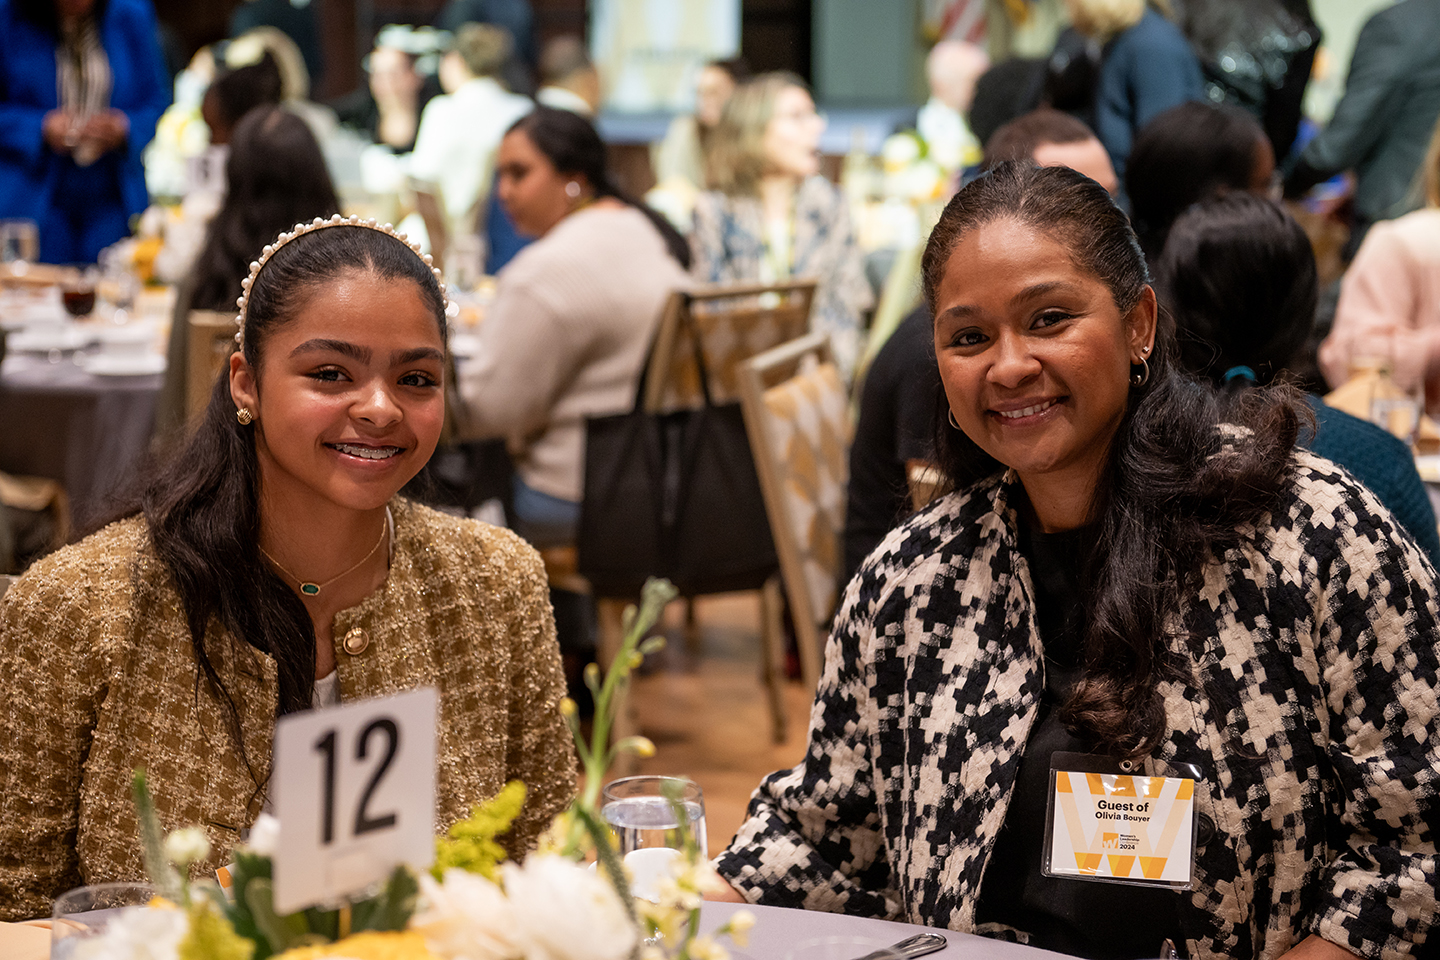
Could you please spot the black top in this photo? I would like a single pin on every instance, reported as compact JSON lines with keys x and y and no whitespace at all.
{"x":898,"y":404}
{"x":1084,"y":918}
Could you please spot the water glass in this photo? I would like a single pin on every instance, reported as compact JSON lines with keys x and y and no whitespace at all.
{"x":641,"y":811}
{"x":19,"y":241}
{"x":85,"y":912}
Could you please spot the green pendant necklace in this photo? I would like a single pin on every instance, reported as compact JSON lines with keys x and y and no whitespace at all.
{"x":312,"y":589}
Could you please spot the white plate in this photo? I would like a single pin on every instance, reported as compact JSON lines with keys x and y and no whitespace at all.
{"x":46,"y":338}
{"x":124,"y":364}
{"x":138,"y":334}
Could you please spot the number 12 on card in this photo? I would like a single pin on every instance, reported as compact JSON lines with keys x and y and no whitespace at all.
{"x":354,"y":791}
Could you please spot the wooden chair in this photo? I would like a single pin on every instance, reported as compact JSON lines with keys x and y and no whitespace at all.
{"x":734,"y":322}
{"x":211,"y":341}
{"x":796,"y":412}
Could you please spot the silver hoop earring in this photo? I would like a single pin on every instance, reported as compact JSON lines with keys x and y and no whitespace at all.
{"x":1141,"y":378}
{"x":950,"y":415}
{"x":572,"y":190}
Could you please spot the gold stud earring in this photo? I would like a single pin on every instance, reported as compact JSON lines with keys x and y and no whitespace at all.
{"x":244,"y":416}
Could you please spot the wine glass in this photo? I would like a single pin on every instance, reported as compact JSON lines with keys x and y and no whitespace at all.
{"x":77,"y":291}
{"x":642,"y":812}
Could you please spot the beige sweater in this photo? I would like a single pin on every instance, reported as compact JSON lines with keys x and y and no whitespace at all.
{"x":565,"y":339}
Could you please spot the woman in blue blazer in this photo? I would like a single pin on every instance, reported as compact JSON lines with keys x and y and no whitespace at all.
{"x":82,"y":85}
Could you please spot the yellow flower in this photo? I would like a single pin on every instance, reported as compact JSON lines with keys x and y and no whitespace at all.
{"x":370,"y":945}
{"x":703,"y":948}
{"x":739,"y":927}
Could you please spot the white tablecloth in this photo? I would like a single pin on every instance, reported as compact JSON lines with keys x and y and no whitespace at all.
{"x":777,"y":931}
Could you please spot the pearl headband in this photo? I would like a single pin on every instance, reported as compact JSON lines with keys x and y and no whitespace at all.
{"x":452,"y":309}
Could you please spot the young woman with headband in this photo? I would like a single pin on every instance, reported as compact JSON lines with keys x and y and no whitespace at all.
{"x":268,"y":568}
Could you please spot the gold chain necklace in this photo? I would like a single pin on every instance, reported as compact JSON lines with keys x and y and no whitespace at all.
{"x":311,"y":589}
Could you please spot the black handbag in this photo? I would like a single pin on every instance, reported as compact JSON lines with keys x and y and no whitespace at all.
{"x":673,"y":495}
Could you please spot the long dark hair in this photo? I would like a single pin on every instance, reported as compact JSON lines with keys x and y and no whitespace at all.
{"x":1238,"y":275}
{"x":1166,"y":503}
{"x":572,"y":145}
{"x":276,"y":178}
{"x":202,"y":506}
{"x":1187,"y":154}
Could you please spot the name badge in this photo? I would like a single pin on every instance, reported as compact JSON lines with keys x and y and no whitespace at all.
{"x":1119,"y":827}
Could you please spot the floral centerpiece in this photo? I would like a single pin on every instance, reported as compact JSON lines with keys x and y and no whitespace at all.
{"x":473,"y":904}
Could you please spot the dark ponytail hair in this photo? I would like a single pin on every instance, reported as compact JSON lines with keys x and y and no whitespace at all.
{"x":1238,"y":274}
{"x":1177,"y":490}
{"x":202,"y":506}
{"x":573,"y":146}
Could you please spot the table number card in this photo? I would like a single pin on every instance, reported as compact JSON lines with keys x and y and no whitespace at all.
{"x":354,"y":791}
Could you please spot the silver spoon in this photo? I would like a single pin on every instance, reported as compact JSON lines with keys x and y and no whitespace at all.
{"x":916,"y":946}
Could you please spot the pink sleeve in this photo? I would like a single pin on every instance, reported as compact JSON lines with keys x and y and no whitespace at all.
{"x":1378,"y":291}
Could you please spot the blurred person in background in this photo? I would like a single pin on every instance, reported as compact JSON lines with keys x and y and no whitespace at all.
{"x":951,"y":69}
{"x":678,"y":160}
{"x":1381,"y":125}
{"x":454,"y":156}
{"x":573,"y":314}
{"x":387,"y":108}
{"x":1053,"y":139}
{"x":568,"y":80}
{"x":251,"y":46}
{"x":82,"y":87}
{"x":901,"y":394}
{"x":1256,"y":55}
{"x":1146,"y":67}
{"x":231,"y":95}
{"x":1391,"y":296}
{"x":236,"y":91}
{"x":1191,"y":153}
{"x":1238,"y":276}
{"x":515,"y":17}
{"x":568,"y":331}
{"x":770,"y":216}
{"x":276,"y":178}
{"x":294,"y":19}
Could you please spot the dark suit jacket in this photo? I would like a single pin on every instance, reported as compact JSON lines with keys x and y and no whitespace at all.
{"x":1383,"y":123}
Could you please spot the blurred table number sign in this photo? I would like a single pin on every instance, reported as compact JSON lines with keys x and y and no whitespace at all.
{"x":355,"y":796}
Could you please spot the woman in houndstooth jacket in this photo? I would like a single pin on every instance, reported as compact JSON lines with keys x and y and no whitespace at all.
{"x":1127,"y":568}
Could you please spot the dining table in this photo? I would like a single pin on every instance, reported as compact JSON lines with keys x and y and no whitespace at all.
{"x":780,"y":932}
{"x":78,"y":399}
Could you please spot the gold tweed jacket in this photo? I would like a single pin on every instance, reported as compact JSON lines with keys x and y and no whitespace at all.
{"x":98,"y":678}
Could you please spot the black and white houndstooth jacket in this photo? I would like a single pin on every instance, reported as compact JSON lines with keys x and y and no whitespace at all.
{"x":1320,"y":632}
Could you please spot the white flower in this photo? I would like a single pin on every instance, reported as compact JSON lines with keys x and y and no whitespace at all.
{"x":186,"y":846}
{"x":466,"y":917}
{"x":136,"y":933}
{"x":566,"y":911}
{"x":264,"y":836}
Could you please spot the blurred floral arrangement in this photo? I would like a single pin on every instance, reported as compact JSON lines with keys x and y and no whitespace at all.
{"x":473,"y":904}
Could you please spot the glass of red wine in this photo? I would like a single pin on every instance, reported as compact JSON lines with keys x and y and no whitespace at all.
{"x":77,"y":291}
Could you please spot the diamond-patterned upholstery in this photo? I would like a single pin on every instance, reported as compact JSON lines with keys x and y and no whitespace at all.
{"x":800,"y":433}
{"x":734,"y":322}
